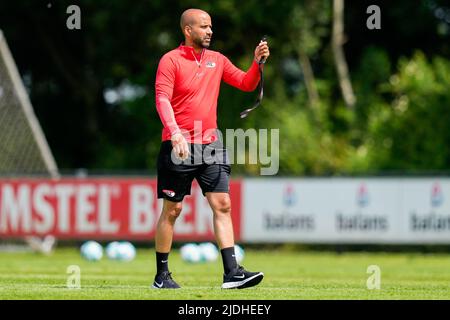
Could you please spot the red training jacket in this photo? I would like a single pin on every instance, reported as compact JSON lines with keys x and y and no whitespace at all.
{"x":187,"y":87}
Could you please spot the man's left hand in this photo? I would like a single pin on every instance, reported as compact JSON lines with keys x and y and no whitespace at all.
{"x":262,"y":50}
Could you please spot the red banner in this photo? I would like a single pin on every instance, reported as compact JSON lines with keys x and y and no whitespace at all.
{"x":107,"y":208}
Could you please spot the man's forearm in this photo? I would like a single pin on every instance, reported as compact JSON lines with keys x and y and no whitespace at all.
{"x":251,"y":78}
{"x":246,"y":81}
{"x":166,"y":114}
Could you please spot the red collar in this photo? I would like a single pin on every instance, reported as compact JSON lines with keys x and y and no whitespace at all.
{"x":188,"y":51}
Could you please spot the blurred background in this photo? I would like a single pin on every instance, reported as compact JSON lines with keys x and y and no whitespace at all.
{"x":359,"y":91}
{"x":92,"y":89}
{"x":348,"y":100}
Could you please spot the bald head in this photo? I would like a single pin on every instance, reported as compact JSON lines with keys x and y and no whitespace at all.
{"x":192,"y":17}
{"x":197,"y":28}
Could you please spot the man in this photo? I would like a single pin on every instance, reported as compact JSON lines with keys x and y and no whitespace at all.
{"x":187,"y":87}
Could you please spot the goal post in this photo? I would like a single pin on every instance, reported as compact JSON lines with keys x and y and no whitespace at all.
{"x":24,"y":150}
{"x":23,"y":147}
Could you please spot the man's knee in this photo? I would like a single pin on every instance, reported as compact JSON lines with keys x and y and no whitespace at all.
{"x":222,"y":204}
{"x":172,"y":210}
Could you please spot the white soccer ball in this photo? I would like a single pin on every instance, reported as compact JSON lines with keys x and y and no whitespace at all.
{"x":91,"y":251}
{"x":125,"y":251}
{"x":112,"y":250}
{"x":239,"y":253}
{"x":208,"y":252}
{"x":190,"y":252}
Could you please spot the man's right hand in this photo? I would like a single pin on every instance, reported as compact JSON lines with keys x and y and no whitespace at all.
{"x":180,"y":146}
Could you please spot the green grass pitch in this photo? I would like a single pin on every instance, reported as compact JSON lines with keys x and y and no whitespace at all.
{"x":288,"y":275}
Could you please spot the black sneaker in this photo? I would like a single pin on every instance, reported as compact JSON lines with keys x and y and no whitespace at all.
{"x":164,"y":281}
{"x":240,"y":278}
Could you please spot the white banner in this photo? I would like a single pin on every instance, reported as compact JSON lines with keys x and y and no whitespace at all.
{"x":346,"y":210}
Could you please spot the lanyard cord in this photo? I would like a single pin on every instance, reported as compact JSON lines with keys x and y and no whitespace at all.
{"x":261,"y":91}
{"x":201,"y":57}
{"x":261,"y":61}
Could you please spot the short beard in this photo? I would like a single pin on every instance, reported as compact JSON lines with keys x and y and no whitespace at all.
{"x":199,"y":43}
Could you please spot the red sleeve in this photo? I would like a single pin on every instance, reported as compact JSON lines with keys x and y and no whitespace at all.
{"x":165,"y":79}
{"x":245,"y":81}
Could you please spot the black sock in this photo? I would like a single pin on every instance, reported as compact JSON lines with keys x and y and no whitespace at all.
{"x":228,"y":259}
{"x":162,"y":262}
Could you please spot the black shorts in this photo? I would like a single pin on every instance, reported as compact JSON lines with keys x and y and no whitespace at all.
{"x":208,"y":164}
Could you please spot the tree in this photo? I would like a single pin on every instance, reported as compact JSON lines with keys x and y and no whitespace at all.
{"x":339,"y":56}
